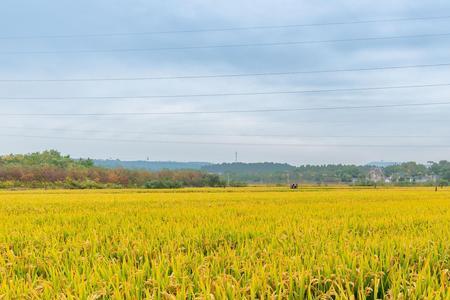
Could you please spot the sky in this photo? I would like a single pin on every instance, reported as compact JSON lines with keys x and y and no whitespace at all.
{"x":91,"y":39}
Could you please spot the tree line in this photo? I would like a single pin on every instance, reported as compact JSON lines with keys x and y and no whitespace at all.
{"x":408,"y":173}
{"x":50,"y":169}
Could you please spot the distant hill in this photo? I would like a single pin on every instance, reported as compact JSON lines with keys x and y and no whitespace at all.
{"x":266,"y":167}
{"x":382,"y":164}
{"x":248,"y":168}
{"x":149,"y":165}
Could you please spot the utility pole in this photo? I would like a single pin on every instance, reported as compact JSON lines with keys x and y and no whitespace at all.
{"x":434,"y":176}
{"x":235,"y":156}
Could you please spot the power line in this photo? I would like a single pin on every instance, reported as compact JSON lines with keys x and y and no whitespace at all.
{"x":291,"y":135}
{"x":229,"y":94}
{"x":230,"y":75}
{"x":271,"y":44}
{"x":223,"y":111}
{"x":224,"y":29}
{"x":231,"y":143}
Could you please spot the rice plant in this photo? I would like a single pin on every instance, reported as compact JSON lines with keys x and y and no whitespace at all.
{"x":253,"y":243}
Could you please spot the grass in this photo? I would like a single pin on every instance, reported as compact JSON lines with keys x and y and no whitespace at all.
{"x":233,"y":243}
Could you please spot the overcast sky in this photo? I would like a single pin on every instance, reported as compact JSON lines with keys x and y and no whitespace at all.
{"x":319,"y":136}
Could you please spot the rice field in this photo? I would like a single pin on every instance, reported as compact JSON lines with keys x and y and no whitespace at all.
{"x":253,"y":243}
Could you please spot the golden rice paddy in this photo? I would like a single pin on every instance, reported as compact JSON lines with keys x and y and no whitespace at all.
{"x":336,"y":243}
